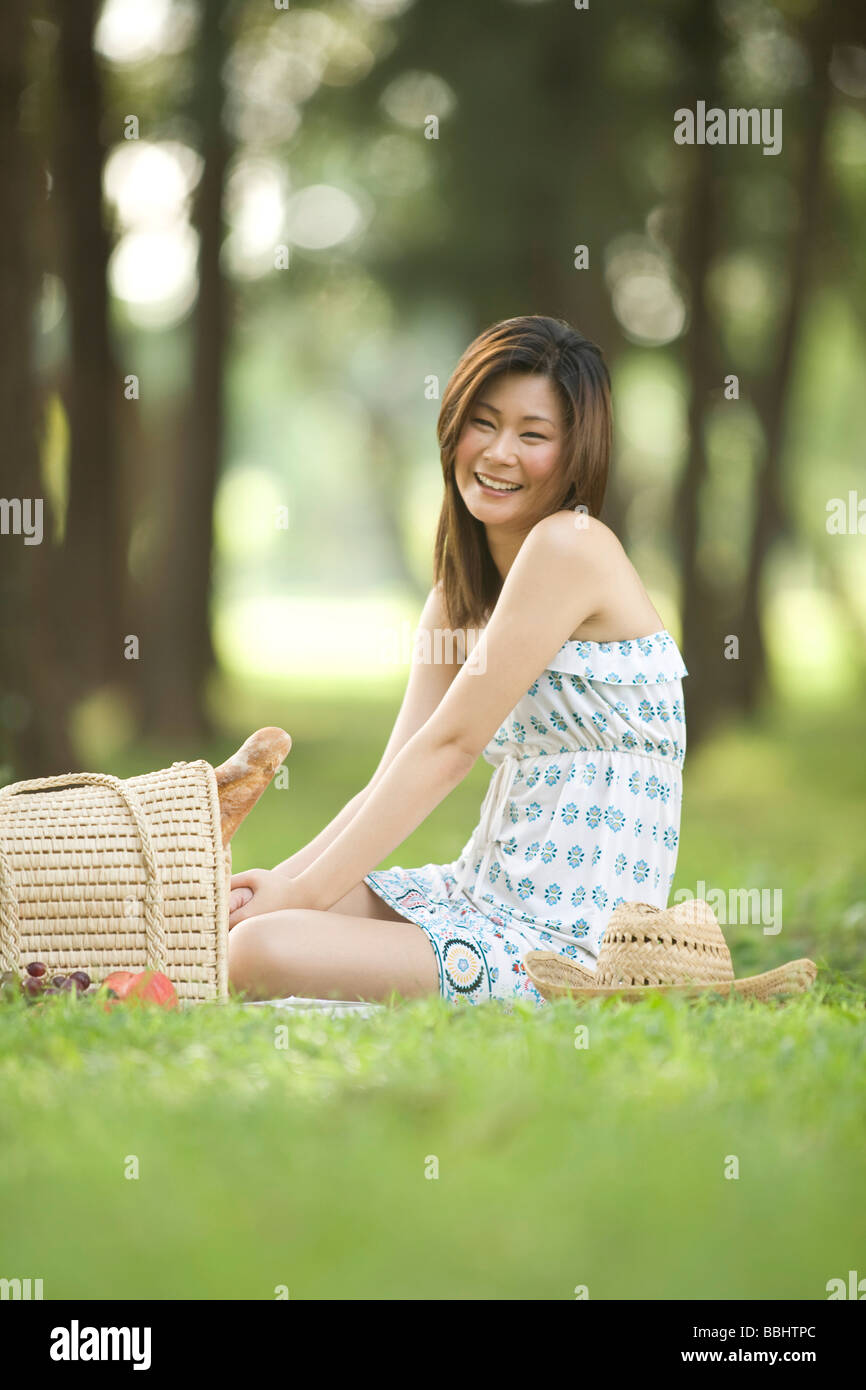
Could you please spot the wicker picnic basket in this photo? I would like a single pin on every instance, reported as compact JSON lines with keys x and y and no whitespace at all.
{"x":103,"y":874}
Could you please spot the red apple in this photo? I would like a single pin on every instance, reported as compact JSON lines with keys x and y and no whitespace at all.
{"x":119,"y":982}
{"x":152,"y":987}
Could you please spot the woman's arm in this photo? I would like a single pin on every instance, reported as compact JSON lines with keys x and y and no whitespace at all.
{"x":428,"y":681}
{"x":556,"y":581}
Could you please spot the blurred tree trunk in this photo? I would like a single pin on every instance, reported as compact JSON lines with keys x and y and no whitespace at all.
{"x":773,"y":395}
{"x":703,"y":635}
{"x":706,"y":609}
{"x":94,"y":547}
{"x":556,"y":287}
{"x":702,"y":639}
{"x":33,"y":724}
{"x":181,"y":604}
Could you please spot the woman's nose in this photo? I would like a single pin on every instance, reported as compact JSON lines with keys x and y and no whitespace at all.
{"x":501,"y":450}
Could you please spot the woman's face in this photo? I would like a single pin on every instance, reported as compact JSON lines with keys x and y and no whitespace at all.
{"x":512,"y":438}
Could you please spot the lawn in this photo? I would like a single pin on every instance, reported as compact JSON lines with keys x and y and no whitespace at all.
{"x":433,"y":1152}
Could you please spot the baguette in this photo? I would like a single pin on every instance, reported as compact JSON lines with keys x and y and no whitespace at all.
{"x":243,"y":777}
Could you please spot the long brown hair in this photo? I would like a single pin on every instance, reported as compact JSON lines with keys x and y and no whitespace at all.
{"x":532,"y":343}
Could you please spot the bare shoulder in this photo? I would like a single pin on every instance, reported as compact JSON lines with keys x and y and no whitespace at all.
{"x":572,"y":551}
{"x":567,"y":560}
{"x":592,"y":556}
{"x":575,"y":538}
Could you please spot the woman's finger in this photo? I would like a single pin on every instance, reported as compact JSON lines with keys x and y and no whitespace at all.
{"x":247,"y":878}
{"x":238,"y":898}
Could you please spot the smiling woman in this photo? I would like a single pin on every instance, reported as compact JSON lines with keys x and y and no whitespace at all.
{"x":528,"y":405}
{"x":572,"y":693}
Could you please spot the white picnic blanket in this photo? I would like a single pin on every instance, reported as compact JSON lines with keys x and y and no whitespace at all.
{"x":328,"y":1007}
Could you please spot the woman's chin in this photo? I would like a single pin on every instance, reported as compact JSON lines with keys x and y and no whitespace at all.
{"x":490,"y":509}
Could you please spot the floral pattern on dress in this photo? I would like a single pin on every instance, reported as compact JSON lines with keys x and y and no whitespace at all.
{"x":582,"y":813}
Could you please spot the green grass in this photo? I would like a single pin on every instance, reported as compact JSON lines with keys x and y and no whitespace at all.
{"x":263,"y":1165}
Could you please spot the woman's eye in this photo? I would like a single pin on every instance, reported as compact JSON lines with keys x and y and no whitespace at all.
{"x":530,"y":434}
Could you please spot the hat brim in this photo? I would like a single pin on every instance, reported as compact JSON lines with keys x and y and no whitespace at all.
{"x":556,"y":977}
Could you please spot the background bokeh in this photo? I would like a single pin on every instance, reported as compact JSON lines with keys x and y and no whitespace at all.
{"x":247,"y":245}
{"x":242,"y":247}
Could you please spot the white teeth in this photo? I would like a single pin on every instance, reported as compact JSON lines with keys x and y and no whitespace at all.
{"x":496,"y":485}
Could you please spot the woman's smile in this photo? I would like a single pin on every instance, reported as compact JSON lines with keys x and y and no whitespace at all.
{"x":492,"y":486}
{"x":510,"y":446}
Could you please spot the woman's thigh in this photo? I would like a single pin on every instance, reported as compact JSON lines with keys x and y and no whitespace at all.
{"x":322,"y":955}
{"x":361,"y":901}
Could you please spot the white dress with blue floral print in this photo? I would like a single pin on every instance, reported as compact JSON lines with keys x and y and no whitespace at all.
{"x":582,"y":813}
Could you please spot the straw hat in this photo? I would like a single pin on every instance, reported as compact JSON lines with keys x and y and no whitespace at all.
{"x":675,"y":950}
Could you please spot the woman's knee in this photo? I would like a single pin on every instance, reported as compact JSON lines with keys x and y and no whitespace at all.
{"x":252,"y":955}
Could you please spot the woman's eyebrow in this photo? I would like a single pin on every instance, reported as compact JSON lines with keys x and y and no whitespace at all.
{"x":486,"y":406}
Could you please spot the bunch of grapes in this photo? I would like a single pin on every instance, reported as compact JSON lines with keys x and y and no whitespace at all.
{"x":36,"y":984}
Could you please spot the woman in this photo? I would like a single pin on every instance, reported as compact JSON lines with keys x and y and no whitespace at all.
{"x":572,"y":692}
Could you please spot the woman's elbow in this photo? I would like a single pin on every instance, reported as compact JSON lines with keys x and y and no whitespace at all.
{"x":451,"y":755}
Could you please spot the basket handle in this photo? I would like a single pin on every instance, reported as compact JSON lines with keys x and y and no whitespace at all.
{"x":10,"y":937}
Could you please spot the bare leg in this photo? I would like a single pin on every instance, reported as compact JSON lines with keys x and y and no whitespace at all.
{"x":361,"y":901}
{"x":323,"y":955}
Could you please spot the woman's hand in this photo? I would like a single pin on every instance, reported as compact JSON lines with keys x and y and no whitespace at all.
{"x":261,"y":890}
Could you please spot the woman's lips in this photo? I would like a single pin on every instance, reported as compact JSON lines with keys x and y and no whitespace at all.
{"x":497,"y":492}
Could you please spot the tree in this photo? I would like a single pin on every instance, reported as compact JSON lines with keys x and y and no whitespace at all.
{"x":33,"y":710}
{"x":701,"y":626}
{"x":771,"y":515}
{"x":180,"y":653}
{"x":90,"y":635}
